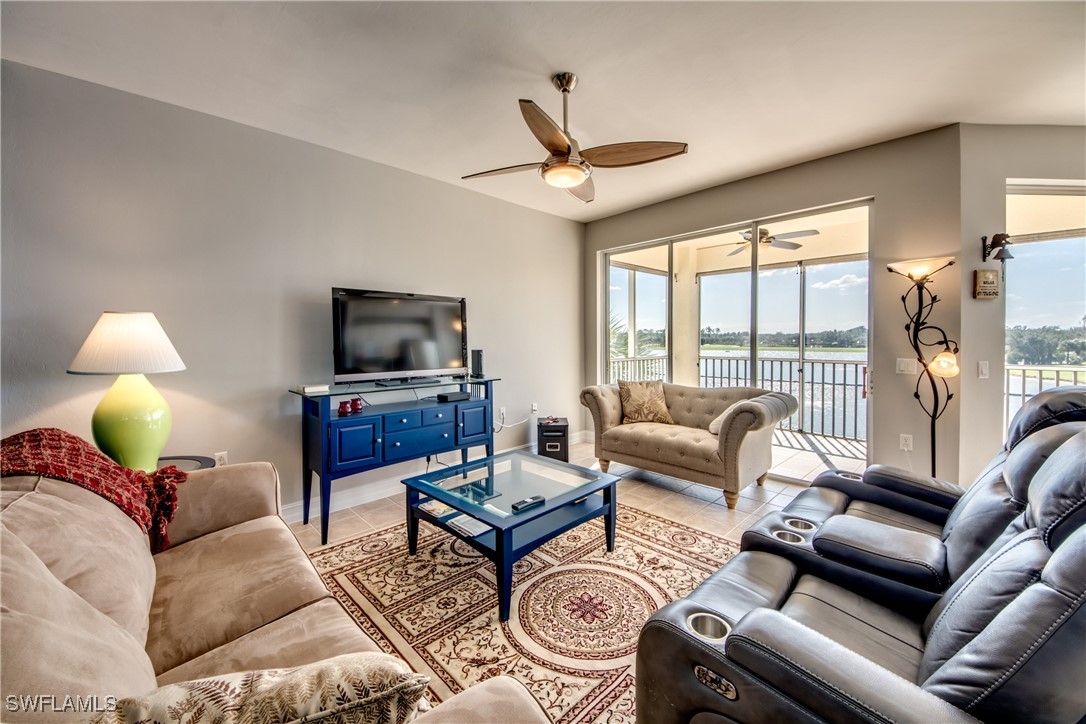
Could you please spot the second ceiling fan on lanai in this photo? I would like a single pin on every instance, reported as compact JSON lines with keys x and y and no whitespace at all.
{"x":778,"y":240}
{"x":568,"y":166}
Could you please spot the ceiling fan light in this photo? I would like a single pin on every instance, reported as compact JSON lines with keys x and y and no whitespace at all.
{"x":564,"y":175}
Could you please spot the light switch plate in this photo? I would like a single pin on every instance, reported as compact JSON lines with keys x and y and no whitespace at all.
{"x":906,"y":366}
{"x":982,"y":369}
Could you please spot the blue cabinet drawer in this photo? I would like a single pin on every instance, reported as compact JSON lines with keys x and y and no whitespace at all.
{"x":408,"y":420}
{"x":439,"y":415}
{"x":413,"y":443}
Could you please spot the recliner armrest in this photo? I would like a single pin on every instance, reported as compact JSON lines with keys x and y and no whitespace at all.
{"x":855,"y":488}
{"x":914,"y":558}
{"x":827,"y":678}
{"x":922,"y":487}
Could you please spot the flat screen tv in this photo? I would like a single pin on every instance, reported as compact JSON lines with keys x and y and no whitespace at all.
{"x":394,"y":336}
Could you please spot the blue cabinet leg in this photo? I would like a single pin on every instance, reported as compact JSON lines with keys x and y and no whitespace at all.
{"x":326,"y":500}
{"x":307,"y":490}
{"x":609,"y":499}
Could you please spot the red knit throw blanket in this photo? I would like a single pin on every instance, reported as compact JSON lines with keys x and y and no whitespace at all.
{"x":150,"y":499}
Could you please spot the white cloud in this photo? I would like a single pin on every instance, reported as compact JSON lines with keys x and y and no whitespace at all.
{"x":844,"y":282}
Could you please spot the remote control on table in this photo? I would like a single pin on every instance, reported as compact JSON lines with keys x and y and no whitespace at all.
{"x":522,"y":505}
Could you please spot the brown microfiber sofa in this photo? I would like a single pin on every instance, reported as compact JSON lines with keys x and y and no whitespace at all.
{"x":86,"y":610}
{"x":739,"y":455}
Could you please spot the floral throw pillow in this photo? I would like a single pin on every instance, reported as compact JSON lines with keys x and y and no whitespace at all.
{"x":363,"y":687}
{"x":643,"y":402}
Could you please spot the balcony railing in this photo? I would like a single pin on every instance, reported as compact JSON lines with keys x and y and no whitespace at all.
{"x":650,"y":367}
{"x":831,"y":393}
{"x":1021,"y":382}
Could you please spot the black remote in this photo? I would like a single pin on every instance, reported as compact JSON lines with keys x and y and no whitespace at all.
{"x":522,"y":505}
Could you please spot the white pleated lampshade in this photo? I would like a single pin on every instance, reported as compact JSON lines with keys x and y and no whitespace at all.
{"x":124,"y":343}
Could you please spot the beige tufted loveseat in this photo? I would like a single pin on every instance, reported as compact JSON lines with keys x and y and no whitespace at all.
{"x":739,"y":455}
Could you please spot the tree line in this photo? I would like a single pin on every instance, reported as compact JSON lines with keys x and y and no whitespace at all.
{"x":1048,"y":345}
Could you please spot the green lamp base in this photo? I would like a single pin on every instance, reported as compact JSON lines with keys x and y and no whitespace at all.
{"x":132,"y":423}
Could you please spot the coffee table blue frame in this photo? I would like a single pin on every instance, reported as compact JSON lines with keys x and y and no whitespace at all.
{"x":512,"y":537}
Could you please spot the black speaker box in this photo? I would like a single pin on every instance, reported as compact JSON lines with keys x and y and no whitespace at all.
{"x":477,"y":363}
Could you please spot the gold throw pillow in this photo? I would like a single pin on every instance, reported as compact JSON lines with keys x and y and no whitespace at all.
{"x":643,"y":402}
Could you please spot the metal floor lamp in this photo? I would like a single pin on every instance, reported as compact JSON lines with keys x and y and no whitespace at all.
{"x":945,"y":363}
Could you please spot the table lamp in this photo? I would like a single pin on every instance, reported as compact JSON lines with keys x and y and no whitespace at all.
{"x":132,"y":422}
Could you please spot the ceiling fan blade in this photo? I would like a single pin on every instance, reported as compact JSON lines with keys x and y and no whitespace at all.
{"x":500,"y":171}
{"x":585,"y":191}
{"x":544,"y":128}
{"x":740,"y":249}
{"x":784,"y":244}
{"x":796,"y":234}
{"x":617,"y":155}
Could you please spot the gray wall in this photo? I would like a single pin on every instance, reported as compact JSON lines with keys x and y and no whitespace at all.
{"x":933,"y":194}
{"x":233,"y":237}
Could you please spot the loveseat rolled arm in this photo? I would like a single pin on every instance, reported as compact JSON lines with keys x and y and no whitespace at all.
{"x":217,"y":498}
{"x":745,"y":440}
{"x":605,"y":405}
{"x":758,"y":413}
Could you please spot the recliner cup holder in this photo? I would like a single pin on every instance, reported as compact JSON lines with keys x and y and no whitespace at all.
{"x":708,"y":626}
{"x":788,"y":536}
{"x":850,"y":476}
{"x":798,"y":524}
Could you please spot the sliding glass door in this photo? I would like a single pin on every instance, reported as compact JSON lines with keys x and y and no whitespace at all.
{"x":786,"y":312}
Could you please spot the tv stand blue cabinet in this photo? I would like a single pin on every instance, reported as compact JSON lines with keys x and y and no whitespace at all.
{"x":335,"y":446}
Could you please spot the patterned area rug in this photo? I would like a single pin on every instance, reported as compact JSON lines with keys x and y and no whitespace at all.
{"x":576,"y":609}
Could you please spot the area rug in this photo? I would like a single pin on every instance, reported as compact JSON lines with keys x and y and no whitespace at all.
{"x":576,"y":609}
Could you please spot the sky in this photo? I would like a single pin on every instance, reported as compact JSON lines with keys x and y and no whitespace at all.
{"x":1045,"y":285}
{"x":836,"y":299}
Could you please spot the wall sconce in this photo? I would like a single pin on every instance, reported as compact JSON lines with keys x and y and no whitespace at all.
{"x":998,"y":244}
{"x":945,"y":364}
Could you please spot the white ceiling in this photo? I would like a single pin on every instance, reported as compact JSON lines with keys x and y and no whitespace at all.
{"x":432,"y":87}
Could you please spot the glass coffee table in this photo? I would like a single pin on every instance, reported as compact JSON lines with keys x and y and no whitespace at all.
{"x":485,"y":490}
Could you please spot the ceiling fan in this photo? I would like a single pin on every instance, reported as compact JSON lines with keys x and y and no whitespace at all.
{"x":568,"y":166}
{"x":778,"y":240}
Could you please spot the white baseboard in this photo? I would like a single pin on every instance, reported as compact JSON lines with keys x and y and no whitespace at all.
{"x":359,"y":495}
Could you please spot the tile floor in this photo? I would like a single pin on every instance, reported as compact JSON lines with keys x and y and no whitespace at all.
{"x":698,"y":506}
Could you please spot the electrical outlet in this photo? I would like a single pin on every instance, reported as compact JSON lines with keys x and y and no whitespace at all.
{"x":535,"y":407}
{"x":905,"y":442}
{"x":501,"y":414}
{"x":221,"y":459}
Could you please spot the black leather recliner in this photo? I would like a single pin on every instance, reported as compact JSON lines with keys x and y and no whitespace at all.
{"x":916,"y":534}
{"x":760,"y":642}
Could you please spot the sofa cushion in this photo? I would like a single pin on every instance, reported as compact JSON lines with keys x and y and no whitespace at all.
{"x":102,"y":555}
{"x":363,"y":687}
{"x":312,"y":633}
{"x":676,"y":445}
{"x":873,"y":631}
{"x":223,"y":585}
{"x":57,"y":644}
{"x":643,"y":402}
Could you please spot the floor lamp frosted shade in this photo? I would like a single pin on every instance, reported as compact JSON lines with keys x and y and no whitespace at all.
{"x":132,"y":422}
